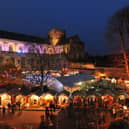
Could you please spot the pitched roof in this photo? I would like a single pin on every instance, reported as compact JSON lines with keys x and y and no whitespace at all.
{"x":73,"y":79}
{"x":21,"y":37}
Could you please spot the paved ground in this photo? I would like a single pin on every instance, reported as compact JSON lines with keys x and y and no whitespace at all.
{"x":83,"y":119}
{"x":77,"y":118}
{"x":22,"y":119}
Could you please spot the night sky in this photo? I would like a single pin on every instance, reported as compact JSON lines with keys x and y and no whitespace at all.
{"x":87,"y":18}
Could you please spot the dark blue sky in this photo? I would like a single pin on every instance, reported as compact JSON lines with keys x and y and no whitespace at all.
{"x":87,"y":18}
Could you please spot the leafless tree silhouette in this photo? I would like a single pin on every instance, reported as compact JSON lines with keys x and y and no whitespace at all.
{"x":118,"y":33}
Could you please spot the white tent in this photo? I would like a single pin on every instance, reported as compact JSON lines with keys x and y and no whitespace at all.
{"x":54,"y":84}
{"x":73,"y":79}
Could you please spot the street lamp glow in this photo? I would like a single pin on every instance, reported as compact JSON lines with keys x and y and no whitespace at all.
{"x":125,"y":107}
{"x":79,"y":83}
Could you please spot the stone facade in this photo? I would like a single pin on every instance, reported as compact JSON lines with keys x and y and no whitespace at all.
{"x":26,"y":51}
{"x":15,"y":46}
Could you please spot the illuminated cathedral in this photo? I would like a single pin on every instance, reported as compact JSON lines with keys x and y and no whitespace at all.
{"x":26,"y":51}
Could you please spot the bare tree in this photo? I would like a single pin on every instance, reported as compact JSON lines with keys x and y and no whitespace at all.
{"x":42,"y":65}
{"x":118,"y":33}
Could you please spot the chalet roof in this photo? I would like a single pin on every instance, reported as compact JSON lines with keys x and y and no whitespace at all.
{"x":21,"y":37}
{"x":73,"y":79}
{"x":30,"y":38}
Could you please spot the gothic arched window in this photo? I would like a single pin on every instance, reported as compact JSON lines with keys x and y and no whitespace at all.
{"x":31,"y":50}
{"x":37,"y":50}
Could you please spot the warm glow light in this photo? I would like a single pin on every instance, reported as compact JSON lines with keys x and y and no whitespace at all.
{"x":102,"y":97}
{"x":82,"y":65}
{"x":19,"y":97}
{"x":101,"y":74}
{"x":79,"y":83}
{"x":92,"y":80}
{"x":63,"y":97}
{"x":125,"y":107}
{"x":35,"y":97}
{"x":5,"y":96}
{"x":48,"y":97}
{"x":20,"y":51}
{"x":127,"y":81}
{"x":27,"y":105}
{"x":122,"y":97}
{"x":113,"y":80}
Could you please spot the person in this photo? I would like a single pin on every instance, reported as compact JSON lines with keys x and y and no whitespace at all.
{"x":64,"y":101}
{"x":19,"y":105}
{"x":13,"y":108}
{"x":4,"y":109}
{"x":51,"y":107}
{"x":114,"y":112}
{"x":47,"y":113}
{"x":70,"y":110}
{"x":54,"y":107}
{"x":42,"y":124}
{"x":9,"y":106}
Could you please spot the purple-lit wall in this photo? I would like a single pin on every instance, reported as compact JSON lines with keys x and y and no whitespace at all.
{"x":28,"y":47}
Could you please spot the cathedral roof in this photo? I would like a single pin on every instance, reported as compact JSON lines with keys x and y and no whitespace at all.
{"x":21,"y":37}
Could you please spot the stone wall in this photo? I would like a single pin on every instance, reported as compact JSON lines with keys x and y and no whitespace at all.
{"x":29,"y":47}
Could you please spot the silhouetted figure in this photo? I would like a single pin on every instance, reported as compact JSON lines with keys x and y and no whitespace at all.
{"x":13,"y":108}
{"x":51,"y":107}
{"x":3,"y":110}
{"x":42,"y":124}
{"x":64,"y":101}
{"x":54,"y":107}
{"x":70,"y":110}
{"x":114,"y":112}
{"x":9,"y":106}
{"x":18,"y":104}
{"x":47,"y":113}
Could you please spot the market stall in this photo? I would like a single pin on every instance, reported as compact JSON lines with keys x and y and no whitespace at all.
{"x":107,"y":100}
{"x":33,"y":100}
{"x":20,"y":99}
{"x":5,"y":99}
{"x":46,"y":99}
{"x":73,"y":82}
{"x":63,"y":100}
{"x":78,"y":100}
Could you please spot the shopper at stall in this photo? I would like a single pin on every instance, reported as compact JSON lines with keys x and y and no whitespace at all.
{"x":47,"y":113}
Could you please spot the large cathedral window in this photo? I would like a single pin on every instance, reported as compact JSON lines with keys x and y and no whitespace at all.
{"x":37,"y":51}
{"x":31,"y":50}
